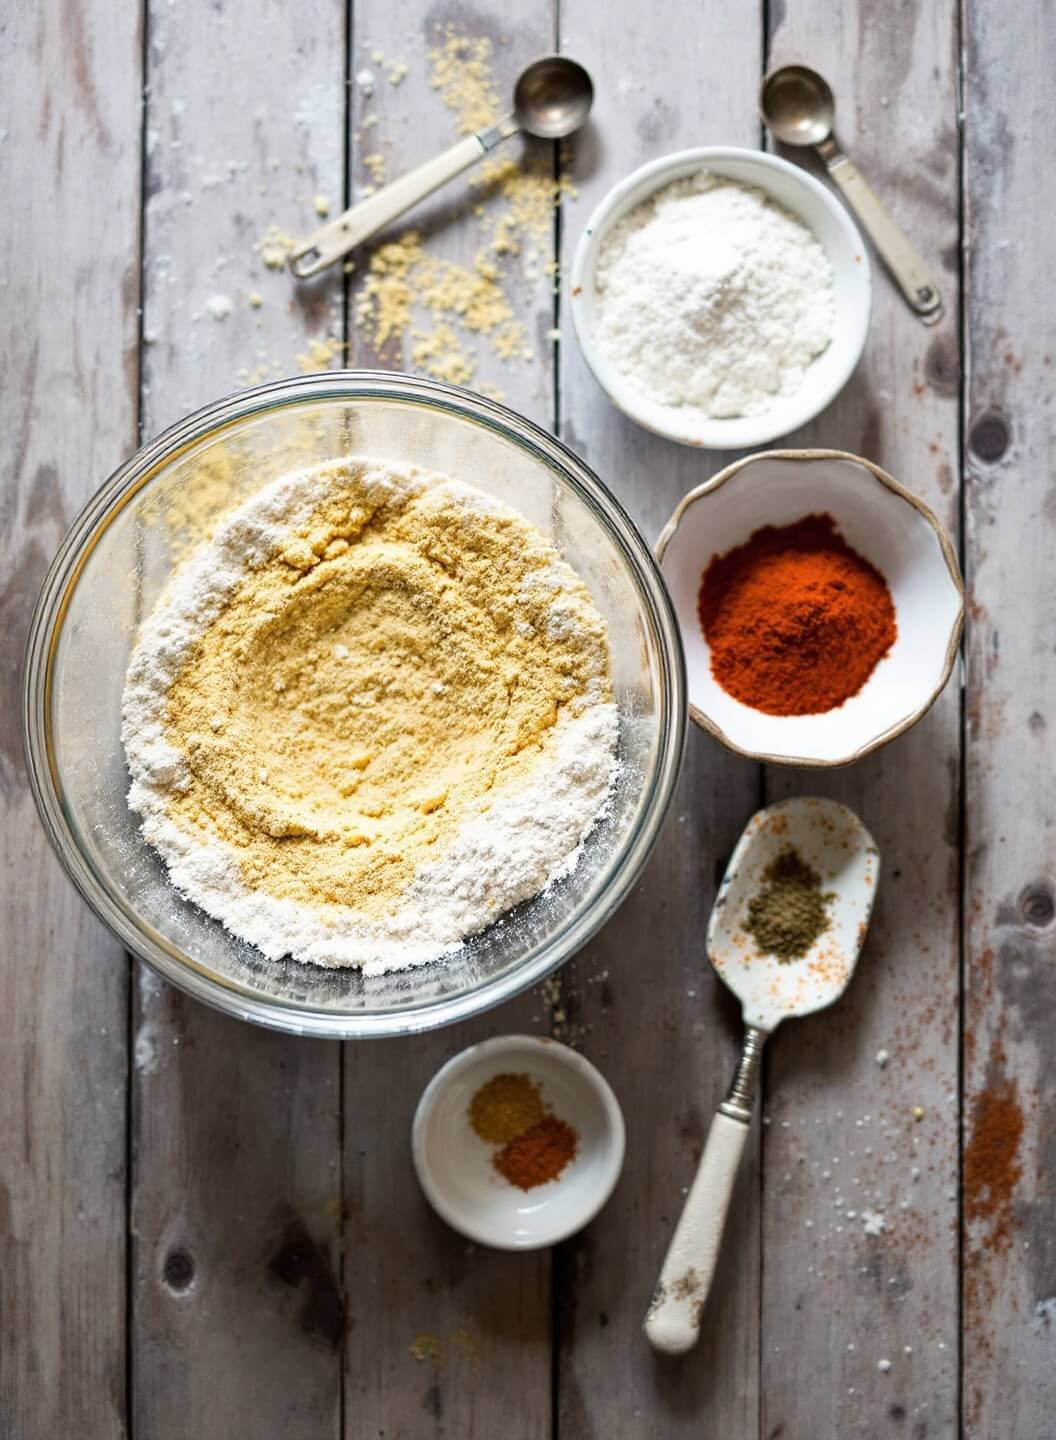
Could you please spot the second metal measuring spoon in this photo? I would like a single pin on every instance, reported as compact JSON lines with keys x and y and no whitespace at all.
{"x":551,"y":99}
{"x":837,"y":846}
{"x":797,"y":106}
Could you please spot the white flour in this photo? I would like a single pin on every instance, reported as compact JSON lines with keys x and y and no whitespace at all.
{"x":525,"y":839}
{"x":713,"y":298}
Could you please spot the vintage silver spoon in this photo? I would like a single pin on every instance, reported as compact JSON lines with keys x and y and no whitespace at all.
{"x":835,"y":843}
{"x":551,"y":99}
{"x":798,"y":107}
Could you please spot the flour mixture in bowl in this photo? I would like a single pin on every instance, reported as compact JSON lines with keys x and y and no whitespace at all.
{"x":368,"y":716}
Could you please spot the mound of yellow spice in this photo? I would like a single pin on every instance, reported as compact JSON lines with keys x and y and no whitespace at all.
{"x":368,"y":716}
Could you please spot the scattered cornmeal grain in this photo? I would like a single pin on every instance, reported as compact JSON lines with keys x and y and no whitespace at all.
{"x":274,"y":247}
{"x":461,"y":71}
{"x":374,"y":164}
{"x":505,"y":1107}
{"x":440,"y":352}
{"x":256,"y":376}
{"x":320,"y":354}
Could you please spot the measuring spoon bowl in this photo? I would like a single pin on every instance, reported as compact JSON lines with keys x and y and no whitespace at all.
{"x":797,"y":105}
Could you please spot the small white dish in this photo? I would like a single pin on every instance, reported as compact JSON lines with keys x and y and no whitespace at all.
{"x":822,"y":213}
{"x":456,"y":1168}
{"x":882,"y":521}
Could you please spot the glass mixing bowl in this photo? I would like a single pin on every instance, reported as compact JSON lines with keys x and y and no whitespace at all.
{"x":118,"y":557}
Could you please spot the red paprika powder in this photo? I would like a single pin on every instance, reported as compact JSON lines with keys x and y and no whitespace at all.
{"x":795,"y":619}
{"x":539,"y":1155}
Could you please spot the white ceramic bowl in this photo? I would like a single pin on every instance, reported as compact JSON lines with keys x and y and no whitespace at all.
{"x":455,"y":1167}
{"x":882,"y":521}
{"x":819,"y":210}
{"x":119,"y":556}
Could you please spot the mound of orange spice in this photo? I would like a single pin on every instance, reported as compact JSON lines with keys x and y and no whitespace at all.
{"x":795,"y":619}
{"x":535,"y":1145}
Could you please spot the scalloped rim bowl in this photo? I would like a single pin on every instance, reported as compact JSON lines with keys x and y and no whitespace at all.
{"x":827,"y":219}
{"x":884,"y":522}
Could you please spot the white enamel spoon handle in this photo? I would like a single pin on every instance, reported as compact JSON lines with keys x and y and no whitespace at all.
{"x":673,"y":1321}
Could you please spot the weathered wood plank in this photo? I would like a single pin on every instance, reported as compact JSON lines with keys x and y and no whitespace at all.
{"x":444,"y":1337}
{"x":657,"y":1023}
{"x":245,"y":129}
{"x":1010,"y":941}
{"x":842,"y":1139}
{"x":238,"y":1320}
{"x":69,"y":146}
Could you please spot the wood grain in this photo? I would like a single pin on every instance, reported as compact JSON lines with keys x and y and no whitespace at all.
{"x":286,"y":1274}
{"x":842,"y":1139}
{"x":238,"y":1319}
{"x":1010,"y":941}
{"x":656,"y":1022}
{"x":69,"y":147}
{"x":445,"y":1337}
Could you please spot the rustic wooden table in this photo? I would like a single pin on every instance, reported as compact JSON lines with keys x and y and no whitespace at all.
{"x":208,"y":1230}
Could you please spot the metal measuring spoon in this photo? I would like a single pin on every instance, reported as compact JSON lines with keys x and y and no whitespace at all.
{"x":552,"y":98}
{"x":798,"y":107}
{"x":835,"y":843}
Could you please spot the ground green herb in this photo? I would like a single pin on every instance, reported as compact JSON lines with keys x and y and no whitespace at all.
{"x":790,"y":911}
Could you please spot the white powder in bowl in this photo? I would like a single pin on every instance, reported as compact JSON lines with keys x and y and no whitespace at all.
{"x":712,"y":298}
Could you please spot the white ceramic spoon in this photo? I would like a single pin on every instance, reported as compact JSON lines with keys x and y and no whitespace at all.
{"x":837,"y":845}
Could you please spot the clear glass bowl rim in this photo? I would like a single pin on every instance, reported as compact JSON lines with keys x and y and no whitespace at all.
{"x":64,"y":573}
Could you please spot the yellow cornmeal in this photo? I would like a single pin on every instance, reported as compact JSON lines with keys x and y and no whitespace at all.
{"x":367,"y":686}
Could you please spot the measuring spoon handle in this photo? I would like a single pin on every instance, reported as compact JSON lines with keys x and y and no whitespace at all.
{"x":908,"y":269}
{"x":350,"y":229}
{"x":673,"y":1321}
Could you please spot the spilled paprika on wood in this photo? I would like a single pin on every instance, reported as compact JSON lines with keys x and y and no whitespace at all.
{"x":795,"y":619}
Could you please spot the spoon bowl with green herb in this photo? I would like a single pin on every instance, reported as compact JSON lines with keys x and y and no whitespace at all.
{"x":784,"y":935}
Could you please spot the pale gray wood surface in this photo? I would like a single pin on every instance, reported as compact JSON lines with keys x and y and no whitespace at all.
{"x":69,"y":281}
{"x":1009,"y":1243}
{"x":282,"y":1271}
{"x":444,"y":1337}
{"x":237,"y":1321}
{"x":842,"y":1140}
{"x":656,"y":1022}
